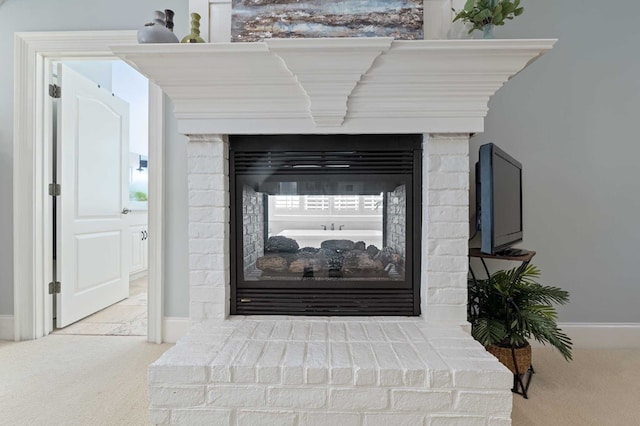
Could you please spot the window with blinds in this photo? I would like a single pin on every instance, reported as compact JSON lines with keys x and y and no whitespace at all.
{"x":346,"y":202}
{"x":316,"y":202}
{"x":325,"y":203}
{"x":287,"y":201}
{"x":372,"y":202}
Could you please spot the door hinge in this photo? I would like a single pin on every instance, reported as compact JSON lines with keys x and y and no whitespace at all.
{"x":54,"y":287}
{"x":54,"y":189}
{"x":55,"y":91}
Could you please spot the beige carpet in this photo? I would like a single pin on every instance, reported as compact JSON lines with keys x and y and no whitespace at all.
{"x":76,"y":380}
{"x":101,"y":380}
{"x":599,"y":387}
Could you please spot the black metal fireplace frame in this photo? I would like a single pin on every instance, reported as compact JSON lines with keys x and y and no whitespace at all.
{"x":258,"y":158}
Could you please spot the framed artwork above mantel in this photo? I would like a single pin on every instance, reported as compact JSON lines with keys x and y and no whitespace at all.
{"x":256,"y":20}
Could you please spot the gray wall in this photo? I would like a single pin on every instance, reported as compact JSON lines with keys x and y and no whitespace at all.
{"x":571,"y":118}
{"x":176,"y":245}
{"x":66,"y":15}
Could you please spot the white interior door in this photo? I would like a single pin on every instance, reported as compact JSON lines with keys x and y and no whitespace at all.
{"x":92,"y":170}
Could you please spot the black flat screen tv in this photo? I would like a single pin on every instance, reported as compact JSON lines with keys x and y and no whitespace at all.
{"x":499,"y":200}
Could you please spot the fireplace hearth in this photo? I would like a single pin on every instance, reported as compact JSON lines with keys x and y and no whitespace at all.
{"x":325,"y":224}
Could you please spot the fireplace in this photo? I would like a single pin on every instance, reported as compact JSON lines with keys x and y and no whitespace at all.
{"x":320,"y":368}
{"x":325,"y":224}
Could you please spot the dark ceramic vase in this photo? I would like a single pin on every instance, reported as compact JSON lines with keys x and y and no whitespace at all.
{"x":169,"y":14}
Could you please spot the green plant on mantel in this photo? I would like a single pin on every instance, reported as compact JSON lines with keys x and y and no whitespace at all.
{"x":508,"y":308}
{"x":481,"y":13}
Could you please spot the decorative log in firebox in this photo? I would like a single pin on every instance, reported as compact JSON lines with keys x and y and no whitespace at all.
{"x":334,"y":258}
{"x":325,"y":225}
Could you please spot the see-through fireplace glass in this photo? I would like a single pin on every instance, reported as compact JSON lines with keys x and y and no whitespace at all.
{"x":319,"y":220}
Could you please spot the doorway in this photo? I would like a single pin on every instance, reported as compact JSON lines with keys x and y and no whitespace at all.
{"x":100,"y":223}
{"x":33,"y":272}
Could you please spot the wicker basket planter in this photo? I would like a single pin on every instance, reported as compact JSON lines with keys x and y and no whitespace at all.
{"x":523,"y":357}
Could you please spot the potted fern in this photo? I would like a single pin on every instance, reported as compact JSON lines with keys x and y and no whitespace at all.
{"x":511,"y":307}
{"x":483,"y":15}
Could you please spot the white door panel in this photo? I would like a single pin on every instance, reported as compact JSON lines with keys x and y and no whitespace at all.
{"x":99,"y":154}
{"x":93,"y":247}
{"x":95,"y":269}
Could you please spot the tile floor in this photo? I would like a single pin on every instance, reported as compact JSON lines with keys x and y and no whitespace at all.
{"x":125,"y":318}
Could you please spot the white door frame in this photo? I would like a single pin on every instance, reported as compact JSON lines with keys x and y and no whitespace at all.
{"x":32,"y":210}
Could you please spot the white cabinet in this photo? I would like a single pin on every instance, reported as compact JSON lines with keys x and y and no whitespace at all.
{"x":139,"y":235}
{"x":139,"y":248}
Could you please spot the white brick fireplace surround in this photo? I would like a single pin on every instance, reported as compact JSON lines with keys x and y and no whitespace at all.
{"x":297,"y":371}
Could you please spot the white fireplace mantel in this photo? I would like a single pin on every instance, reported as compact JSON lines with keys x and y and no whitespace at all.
{"x":343,"y":85}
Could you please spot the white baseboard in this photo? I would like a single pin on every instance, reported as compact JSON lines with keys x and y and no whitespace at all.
{"x":6,"y":327}
{"x":588,"y":335}
{"x":173,"y":328}
{"x":603,"y":335}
